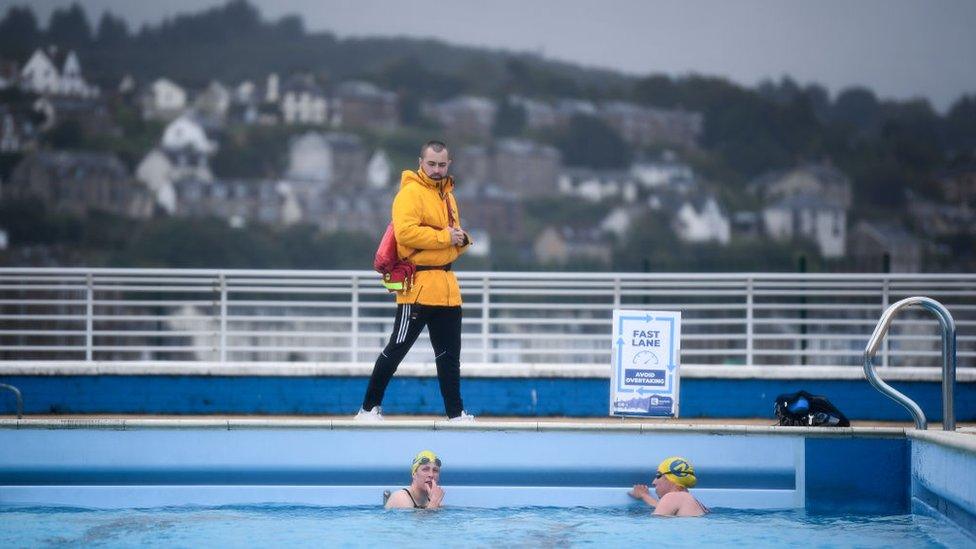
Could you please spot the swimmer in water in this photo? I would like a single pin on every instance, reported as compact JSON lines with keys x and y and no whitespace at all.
{"x":674,"y":476}
{"x":424,"y":491}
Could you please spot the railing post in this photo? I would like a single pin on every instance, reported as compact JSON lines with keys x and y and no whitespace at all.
{"x":355,"y":318}
{"x":89,"y":317}
{"x":885,"y":301}
{"x":749,"y":321}
{"x":222,"y":336}
{"x":485,"y":317}
{"x":616,"y":292}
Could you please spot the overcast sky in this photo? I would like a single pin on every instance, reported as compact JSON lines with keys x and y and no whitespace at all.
{"x":898,"y":48}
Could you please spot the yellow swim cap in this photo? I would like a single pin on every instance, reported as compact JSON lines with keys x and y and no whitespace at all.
{"x":422,"y":458}
{"x":679,"y":471}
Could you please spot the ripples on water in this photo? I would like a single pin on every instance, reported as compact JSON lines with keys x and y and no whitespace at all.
{"x":276,"y":525}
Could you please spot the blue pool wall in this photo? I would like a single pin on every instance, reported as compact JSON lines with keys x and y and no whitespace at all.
{"x":871,"y":473}
{"x":528,"y":397}
{"x":125,"y":463}
{"x":943,"y":481}
{"x":104,"y":468}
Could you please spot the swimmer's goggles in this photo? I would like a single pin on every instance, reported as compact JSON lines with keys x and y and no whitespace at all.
{"x":424,"y":460}
{"x":677,"y":473}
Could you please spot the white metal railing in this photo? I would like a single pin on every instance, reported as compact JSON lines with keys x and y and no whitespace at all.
{"x":204,"y":315}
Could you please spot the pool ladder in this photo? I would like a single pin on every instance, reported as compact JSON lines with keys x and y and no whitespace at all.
{"x":20,"y":399}
{"x":948,"y":360}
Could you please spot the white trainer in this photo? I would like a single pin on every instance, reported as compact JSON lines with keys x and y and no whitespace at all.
{"x":373,"y":415}
{"x":463,"y":418}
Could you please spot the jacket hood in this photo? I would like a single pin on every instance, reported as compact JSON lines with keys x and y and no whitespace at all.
{"x":408,"y":177}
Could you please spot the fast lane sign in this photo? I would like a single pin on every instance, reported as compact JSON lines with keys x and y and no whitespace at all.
{"x":645,"y":363}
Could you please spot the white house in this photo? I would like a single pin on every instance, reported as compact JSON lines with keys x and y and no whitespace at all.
{"x":619,"y":221}
{"x":72,"y":82}
{"x":127,"y":85}
{"x":701,"y":222}
{"x":327,"y":159}
{"x":303,"y":102}
{"x":183,"y":153}
{"x":379,"y":170}
{"x":271,"y":89}
{"x":41,"y":74}
{"x":156,"y":172}
{"x":212,"y":104}
{"x":310,"y":159}
{"x":662,"y":174}
{"x":807,"y":180}
{"x":163,"y":100}
{"x":291,"y":209}
{"x":186,"y":133}
{"x":594,"y":186}
{"x":810,"y":216}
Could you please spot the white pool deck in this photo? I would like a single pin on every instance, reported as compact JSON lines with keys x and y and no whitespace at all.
{"x":964,"y":438}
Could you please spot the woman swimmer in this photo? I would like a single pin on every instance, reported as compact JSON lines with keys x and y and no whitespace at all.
{"x":424,"y":491}
{"x":674,"y":476}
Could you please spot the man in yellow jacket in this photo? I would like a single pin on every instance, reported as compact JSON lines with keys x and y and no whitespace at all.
{"x":428,"y":233}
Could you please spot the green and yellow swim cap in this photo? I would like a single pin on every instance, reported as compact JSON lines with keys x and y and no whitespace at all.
{"x":679,"y":471}
{"x":422,"y":458}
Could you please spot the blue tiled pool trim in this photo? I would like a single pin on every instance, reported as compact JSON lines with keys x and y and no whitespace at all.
{"x":516,"y":396}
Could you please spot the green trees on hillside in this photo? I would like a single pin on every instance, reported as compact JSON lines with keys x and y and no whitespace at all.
{"x":590,"y":142}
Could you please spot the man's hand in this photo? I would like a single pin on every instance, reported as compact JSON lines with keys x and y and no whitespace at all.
{"x":435,"y":495}
{"x":458,"y":238}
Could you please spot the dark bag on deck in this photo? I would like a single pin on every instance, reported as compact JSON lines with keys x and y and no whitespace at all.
{"x":803,"y":409}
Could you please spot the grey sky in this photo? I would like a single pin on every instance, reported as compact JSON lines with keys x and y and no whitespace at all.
{"x":899,"y":48}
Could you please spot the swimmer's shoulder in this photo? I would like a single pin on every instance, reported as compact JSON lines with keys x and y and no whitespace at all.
{"x":399,"y":499}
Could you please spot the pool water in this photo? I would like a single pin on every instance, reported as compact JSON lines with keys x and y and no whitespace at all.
{"x":275,"y":526}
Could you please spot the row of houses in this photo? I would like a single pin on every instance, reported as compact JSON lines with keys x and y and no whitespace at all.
{"x":53,"y":71}
{"x":806,"y":203}
{"x":300,"y":99}
{"x":58,"y":90}
{"x":297,"y":100}
{"x":466,"y":117}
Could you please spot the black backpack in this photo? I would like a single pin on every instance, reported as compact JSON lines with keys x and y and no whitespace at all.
{"x":806,"y":410}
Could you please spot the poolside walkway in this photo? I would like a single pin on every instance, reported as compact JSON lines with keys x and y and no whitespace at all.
{"x":969,"y":427}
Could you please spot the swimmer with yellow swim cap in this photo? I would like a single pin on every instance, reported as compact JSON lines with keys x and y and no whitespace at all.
{"x":674,"y":476}
{"x":424,"y":491}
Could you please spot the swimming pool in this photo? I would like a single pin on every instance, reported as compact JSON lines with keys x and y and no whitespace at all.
{"x":290,"y":526}
{"x":91,"y":472}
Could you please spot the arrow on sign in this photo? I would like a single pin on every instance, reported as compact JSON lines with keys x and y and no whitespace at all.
{"x":620,"y":325}
{"x":670,"y":321}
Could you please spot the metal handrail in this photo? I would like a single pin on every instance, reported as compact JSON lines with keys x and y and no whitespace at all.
{"x":948,"y":360}
{"x":20,"y":399}
{"x":227,"y":315}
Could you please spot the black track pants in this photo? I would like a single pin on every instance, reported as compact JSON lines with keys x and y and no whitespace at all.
{"x":444,"y":326}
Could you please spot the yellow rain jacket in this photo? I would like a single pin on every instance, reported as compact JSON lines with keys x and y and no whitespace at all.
{"x":420,"y":221}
